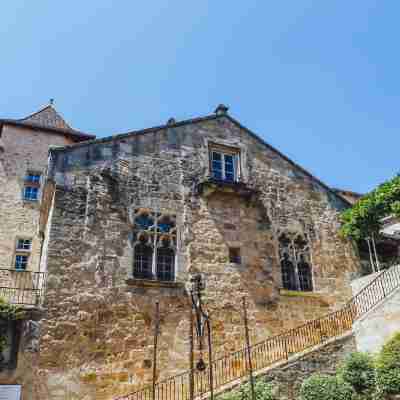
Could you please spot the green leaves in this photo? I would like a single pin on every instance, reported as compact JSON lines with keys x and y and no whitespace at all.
{"x":358,"y":370}
{"x":325,"y":387}
{"x":263,"y":391}
{"x":388,"y":367}
{"x":10,"y":311}
{"x":364,"y":218}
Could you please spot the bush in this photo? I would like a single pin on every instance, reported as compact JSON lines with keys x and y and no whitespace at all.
{"x":324,"y":387}
{"x":358,"y":370}
{"x":388,"y":367}
{"x":262,"y":389}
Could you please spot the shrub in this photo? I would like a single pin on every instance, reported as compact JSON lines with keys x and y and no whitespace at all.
{"x":358,"y":370}
{"x":388,"y":367}
{"x":263,"y":391}
{"x":324,"y":387}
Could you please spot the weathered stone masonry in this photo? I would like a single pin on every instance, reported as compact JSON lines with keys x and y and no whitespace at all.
{"x":96,"y":341}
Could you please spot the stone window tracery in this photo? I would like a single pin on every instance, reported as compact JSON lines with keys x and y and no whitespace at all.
{"x":295,"y":262}
{"x":154,"y":245}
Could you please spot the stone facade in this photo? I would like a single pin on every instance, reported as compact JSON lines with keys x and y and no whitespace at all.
{"x":24,"y":149}
{"x":24,"y":146}
{"x":97,"y":340}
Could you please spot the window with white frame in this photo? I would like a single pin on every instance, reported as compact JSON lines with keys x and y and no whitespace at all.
{"x":154,"y":245}
{"x":224,"y":163}
{"x":32,"y":186}
{"x":22,"y":253}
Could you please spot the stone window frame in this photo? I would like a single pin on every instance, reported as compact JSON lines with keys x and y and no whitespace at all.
{"x":155,"y":241}
{"x":32,"y":184}
{"x":294,"y":256}
{"x":228,"y":147}
{"x":22,"y":252}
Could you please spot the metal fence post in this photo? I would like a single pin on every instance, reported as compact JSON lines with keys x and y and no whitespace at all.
{"x":248,"y":350}
{"x":156,"y":332}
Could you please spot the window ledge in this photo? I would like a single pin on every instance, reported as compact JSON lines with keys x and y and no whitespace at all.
{"x":211,"y":185}
{"x":153,"y":283}
{"x":299,"y":293}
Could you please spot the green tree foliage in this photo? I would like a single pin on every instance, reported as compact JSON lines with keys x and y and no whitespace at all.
{"x":325,"y":387}
{"x":263,"y":391}
{"x":10,"y":311}
{"x":358,"y":370}
{"x":364,"y":218}
{"x":388,"y":367}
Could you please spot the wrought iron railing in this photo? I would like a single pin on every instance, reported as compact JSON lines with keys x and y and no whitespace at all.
{"x":277,"y":348}
{"x":24,"y":288}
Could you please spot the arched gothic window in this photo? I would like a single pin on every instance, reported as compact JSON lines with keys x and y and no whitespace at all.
{"x":155,"y":241}
{"x":296,"y":267}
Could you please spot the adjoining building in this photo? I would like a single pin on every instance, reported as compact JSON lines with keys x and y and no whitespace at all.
{"x":24,"y":147}
{"x":127,"y":221}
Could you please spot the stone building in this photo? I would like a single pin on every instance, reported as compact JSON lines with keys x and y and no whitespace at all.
{"x":24,"y":145}
{"x":127,"y":220}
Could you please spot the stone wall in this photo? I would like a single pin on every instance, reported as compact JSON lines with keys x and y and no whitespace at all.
{"x":97,"y":335}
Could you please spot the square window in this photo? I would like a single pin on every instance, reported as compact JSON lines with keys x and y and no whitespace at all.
{"x":224,"y":164}
{"x":31,"y":193}
{"x":24,"y":244}
{"x":32,"y":177}
{"x":21,"y":262}
{"x":234,"y":255}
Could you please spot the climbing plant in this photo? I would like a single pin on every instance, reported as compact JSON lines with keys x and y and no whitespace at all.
{"x":9,"y":312}
{"x":364,"y":218}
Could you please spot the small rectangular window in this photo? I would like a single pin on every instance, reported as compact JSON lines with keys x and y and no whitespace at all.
{"x":234,"y":255}
{"x":224,"y":163}
{"x":31,"y":193}
{"x":32,"y":177}
{"x":24,"y":244}
{"x":21,"y":262}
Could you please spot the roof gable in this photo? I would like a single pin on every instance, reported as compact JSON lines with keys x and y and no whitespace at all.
{"x":47,"y":117}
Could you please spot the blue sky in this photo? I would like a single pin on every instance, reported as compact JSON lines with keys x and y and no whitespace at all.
{"x":316,"y":79}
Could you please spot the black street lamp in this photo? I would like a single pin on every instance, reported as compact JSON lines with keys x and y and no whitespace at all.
{"x":202,"y":322}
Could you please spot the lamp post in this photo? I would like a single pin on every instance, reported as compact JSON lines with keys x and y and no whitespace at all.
{"x":202,"y":322}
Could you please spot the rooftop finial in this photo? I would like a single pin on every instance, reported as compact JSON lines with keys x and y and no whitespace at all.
{"x":51,"y":102}
{"x":222,"y":109}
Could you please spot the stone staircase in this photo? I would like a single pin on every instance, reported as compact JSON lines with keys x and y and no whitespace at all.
{"x":233,"y":369}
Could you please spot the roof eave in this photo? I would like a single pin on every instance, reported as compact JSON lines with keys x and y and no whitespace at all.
{"x":74,"y":135}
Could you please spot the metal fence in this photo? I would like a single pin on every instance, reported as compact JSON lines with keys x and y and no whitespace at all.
{"x":277,"y":348}
{"x":23,"y":288}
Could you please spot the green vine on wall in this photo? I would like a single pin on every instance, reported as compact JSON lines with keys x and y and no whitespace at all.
{"x":365,"y":217}
{"x":8,"y":312}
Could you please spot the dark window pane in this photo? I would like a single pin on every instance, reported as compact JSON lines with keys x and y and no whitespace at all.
{"x":144,"y":221}
{"x":230,"y":177}
{"x":288,"y":274}
{"x":165,"y":264}
{"x":234,"y":255}
{"x":35,"y":178}
{"x":143,"y":262}
{"x":24,"y":244}
{"x":21,"y":262}
{"x":216,"y":156}
{"x":305,"y":278}
{"x":31,"y":193}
